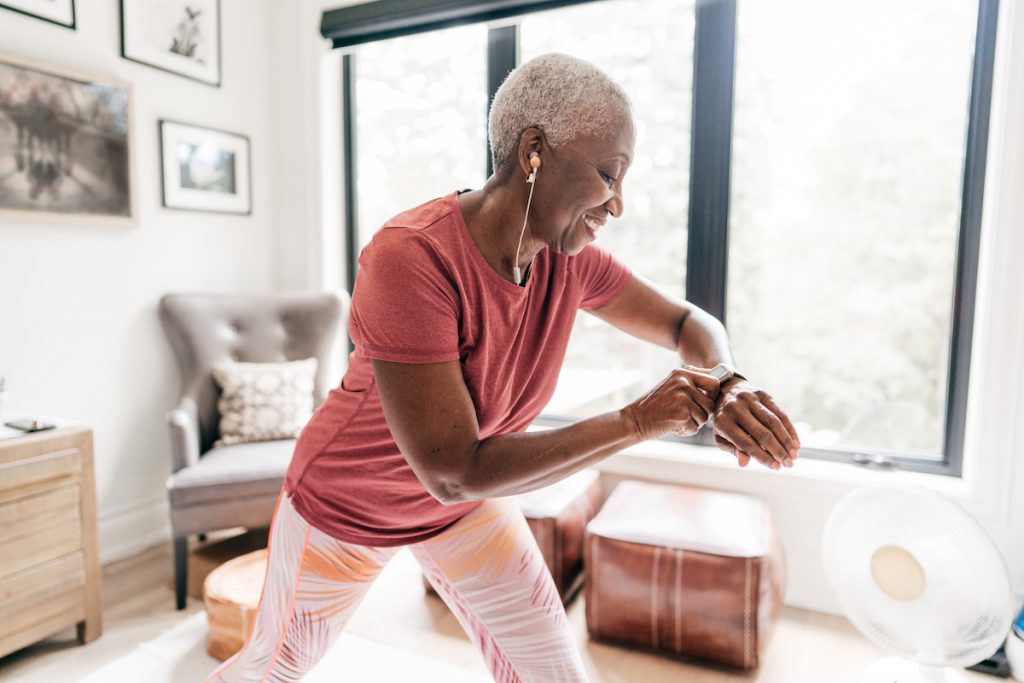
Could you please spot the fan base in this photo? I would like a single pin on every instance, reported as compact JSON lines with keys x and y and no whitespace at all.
{"x":900,"y":670}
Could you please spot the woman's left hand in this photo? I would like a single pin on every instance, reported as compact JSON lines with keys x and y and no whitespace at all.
{"x":749,"y":424}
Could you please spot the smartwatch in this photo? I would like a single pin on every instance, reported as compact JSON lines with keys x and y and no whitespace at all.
{"x":724,"y":372}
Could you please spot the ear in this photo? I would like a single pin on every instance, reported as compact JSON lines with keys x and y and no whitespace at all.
{"x":532,"y":140}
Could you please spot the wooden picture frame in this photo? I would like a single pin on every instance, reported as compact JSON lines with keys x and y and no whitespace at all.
{"x":67,"y":154}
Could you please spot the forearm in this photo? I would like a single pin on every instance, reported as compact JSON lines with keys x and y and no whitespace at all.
{"x":524,"y":461}
{"x":702,"y":340}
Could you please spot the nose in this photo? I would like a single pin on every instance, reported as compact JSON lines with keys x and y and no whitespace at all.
{"x":615,"y":205}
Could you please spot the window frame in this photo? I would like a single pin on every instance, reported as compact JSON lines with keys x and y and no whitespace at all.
{"x":714,"y":68}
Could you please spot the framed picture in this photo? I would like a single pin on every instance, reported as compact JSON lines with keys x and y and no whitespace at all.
{"x":180,"y":36}
{"x":205,"y":169}
{"x":60,"y":12}
{"x":65,"y":144}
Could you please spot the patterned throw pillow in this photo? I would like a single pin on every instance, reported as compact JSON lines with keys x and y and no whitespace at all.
{"x":263,"y":401}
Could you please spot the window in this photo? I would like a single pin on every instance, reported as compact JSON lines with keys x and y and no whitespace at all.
{"x":420,"y":103}
{"x":845,"y":212}
{"x":831,"y":215}
{"x":605,"y":369}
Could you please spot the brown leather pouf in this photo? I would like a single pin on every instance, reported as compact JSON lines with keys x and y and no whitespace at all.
{"x":558,"y":515}
{"x":231,"y":594}
{"x":684,"y":571}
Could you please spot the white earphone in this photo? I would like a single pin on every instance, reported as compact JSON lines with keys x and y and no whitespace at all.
{"x":532,"y":178}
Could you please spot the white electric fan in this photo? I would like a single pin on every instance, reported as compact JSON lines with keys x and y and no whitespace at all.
{"x":919,"y":578}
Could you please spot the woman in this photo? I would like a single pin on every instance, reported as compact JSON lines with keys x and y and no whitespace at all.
{"x":460,"y":318}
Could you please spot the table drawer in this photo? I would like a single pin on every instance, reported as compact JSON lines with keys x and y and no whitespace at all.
{"x":52,"y":590}
{"x":49,"y":543}
{"x":32,"y":514}
{"x":40,"y":468}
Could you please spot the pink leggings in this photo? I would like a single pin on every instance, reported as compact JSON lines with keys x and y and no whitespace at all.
{"x":487,"y":568}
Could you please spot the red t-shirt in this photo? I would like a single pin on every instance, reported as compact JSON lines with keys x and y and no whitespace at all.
{"x":425,"y":294}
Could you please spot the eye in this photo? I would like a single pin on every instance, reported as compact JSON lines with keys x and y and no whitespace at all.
{"x":608,"y":180}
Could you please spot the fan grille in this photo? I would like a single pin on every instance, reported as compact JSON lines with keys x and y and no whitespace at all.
{"x":964,"y":612}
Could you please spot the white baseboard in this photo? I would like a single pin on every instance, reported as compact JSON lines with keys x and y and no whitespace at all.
{"x":126,"y":530}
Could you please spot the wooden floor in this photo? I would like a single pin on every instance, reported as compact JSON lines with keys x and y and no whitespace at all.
{"x":138,"y":605}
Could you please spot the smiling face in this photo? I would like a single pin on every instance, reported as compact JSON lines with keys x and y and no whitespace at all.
{"x":579,"y":184}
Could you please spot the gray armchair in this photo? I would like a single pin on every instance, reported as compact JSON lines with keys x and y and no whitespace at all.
{"x":218,"y":488}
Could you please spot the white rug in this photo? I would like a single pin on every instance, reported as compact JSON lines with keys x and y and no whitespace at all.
{"x":179,"y":656}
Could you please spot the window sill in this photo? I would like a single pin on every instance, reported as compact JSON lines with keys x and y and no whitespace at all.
{"x":673,"y":460}
{"x":692,"y":463}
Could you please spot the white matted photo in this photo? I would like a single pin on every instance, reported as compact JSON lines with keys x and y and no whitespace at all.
{"x":65,"y":144}
{"x":61,"y":12}
{"x":180,"y":36}
{"x":205,"y":169}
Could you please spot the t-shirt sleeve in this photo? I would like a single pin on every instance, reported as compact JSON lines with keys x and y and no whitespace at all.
{"x":601,"y":275}
{"x":404,"y":306}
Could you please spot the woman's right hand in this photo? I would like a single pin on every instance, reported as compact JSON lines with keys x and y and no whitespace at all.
{"x":681,"y":403}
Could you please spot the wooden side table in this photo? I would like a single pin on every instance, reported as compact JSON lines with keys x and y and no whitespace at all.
{"x":49,"y":547}
{"x":231,"y":595}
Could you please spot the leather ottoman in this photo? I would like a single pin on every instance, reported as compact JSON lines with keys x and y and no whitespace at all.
{"x":558,"y":516}
{"x":684,"y":571}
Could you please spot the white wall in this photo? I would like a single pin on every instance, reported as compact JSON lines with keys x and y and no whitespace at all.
{"x":306,"y":115}
{"x":79,"y":335}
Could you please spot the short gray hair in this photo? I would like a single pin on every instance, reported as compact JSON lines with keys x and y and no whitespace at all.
{"x":563,"y":96}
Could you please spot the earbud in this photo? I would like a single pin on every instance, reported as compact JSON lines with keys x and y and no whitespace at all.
{"x":534,"y":164}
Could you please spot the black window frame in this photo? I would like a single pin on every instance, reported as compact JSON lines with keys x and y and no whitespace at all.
{"x":711,"y":149}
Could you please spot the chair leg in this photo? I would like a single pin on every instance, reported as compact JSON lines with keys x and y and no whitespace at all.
{"x":180,"y":570}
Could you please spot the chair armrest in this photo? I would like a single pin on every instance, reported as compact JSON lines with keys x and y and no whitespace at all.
{"x":183,"y":423}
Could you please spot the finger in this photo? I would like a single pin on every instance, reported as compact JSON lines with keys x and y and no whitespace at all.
{"x":763,"y":436}
{"x":781,"y":414}
{"x":746,"y":447}
{"x":689,"y":428}
{"x":772,"y":422}
{"x":744,"y":442}
{"x":742,"y":458}
{"x":706,"y":382}
{"x":697,"y":368}
{"x":698,"y":397}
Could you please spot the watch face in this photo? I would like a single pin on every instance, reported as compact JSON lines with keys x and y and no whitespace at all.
{"x":720,"y":372}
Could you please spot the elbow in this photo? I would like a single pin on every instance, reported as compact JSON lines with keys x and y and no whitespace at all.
{"x":454,"y":483}
{"x":451,"y":492}
{"x":457,"y":486}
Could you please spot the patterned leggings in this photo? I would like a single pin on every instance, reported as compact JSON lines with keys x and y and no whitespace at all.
{"x":487,"y":568}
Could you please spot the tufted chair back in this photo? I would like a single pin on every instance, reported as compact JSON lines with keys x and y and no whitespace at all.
{"x":206,"y":328}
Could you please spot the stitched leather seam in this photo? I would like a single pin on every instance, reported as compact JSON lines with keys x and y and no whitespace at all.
{"x":654,"y":600}
{"x":679,"y":600}
{"x":747,"y":615}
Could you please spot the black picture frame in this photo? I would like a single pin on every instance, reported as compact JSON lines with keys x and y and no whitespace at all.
{"x":214,"y":82}
{"x":72,"y":25}
{"x":176,"y":204}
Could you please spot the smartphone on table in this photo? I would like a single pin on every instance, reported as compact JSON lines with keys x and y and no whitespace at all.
{"x":30,"y":425}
